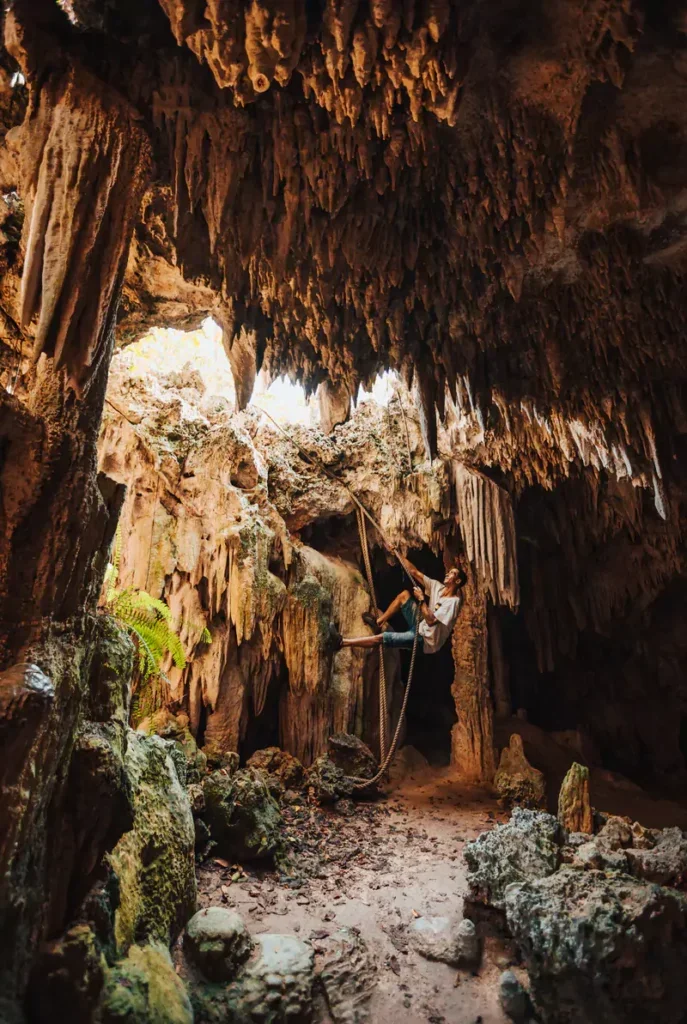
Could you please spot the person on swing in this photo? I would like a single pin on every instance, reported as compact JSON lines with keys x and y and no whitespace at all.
{"x":436,"y":604}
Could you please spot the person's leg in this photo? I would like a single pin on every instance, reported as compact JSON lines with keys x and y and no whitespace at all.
{"x":362,"y":641}
{"x":394,"y":607}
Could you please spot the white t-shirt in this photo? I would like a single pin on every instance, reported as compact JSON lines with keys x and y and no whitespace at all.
{"x":445,"y":611}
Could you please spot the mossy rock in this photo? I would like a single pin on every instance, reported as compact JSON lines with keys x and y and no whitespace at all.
{"x":244,"y":820}
{"x":145,"y":989}
{"x":177,"y":728}
{"x":154,"y":862}
{"x":111,"y":672}
{"x":67,"y":979}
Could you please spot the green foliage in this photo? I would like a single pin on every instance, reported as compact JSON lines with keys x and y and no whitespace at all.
{"x":148,"y":621}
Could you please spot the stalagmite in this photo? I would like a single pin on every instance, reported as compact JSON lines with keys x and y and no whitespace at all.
{"x":472,"y":740}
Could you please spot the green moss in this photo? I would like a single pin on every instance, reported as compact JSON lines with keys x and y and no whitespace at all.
{"x":145,"y":989}
{"x":244,"y":820}
{"x":154,"y":861}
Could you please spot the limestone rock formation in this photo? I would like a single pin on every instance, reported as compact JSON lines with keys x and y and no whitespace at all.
{"x":574,"y":808}
{"x":347,"y":973}
{"x":516,"y":781}
{"x":157,"y":894}
{"x":600,"y":947}
{"x":528,"y":847}
{"x":326,"y":782}
{"x":273,"y":761}
{"x":145,"y":989}
{"x":217,"y":941}
{"x":275,"y":985}
{"x":243,"y":819}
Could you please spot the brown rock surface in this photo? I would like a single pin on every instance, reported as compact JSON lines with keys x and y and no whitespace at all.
{"x":574,"y":808}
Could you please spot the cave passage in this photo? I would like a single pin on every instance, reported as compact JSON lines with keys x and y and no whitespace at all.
{"x":431,"y":712}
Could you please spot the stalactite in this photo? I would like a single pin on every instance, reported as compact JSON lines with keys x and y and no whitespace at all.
{"x":488,"y":530}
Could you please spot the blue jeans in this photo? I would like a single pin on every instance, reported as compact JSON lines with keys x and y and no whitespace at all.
{"x":404,"y":641}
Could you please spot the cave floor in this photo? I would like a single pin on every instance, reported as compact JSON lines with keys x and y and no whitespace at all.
{"x":375,"y":870}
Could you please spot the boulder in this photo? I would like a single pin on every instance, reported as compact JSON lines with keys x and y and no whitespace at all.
{"x":516,"y":781}
{"x":242,"y":816}
{"x":145,"y":989}
{"x":274,"y":987}
{"x":601,"y":949}
{"x":217,"y":941}
{"x":177,"y":729}
{"x":274,"y":761}
{"x":574,"y":807}
{"x":526,"y":848}
{"x":348,"y":977}
{"x":154,"y":862}
{"x":352,"y":756}
{"x":445,"y":939}
{"x":326,"y":782}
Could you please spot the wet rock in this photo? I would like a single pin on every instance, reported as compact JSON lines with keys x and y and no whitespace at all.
{"x":666,"y":863}
{"x":527,"y":847}
{"x":145,"y":989}
{"x":352,"y":756}
{"x":274,"y":761}
{"x":445,"y":939}
{"x":274,"y":987}
{"x":516,"y":781}
{"x":574,"y":807}
{"x":601,"y":949}
{"x":242,"y":816}
{"x":348,"y":977}
{"x":513,"y":997}
{"x":217,"y":942}
{"x":67,"y":979}
{"x":154,"y":862}
{"x":326,"y":781}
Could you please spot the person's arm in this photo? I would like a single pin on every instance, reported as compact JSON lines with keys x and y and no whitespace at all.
{"x":426,"y":614}
{"x":412,"y":571}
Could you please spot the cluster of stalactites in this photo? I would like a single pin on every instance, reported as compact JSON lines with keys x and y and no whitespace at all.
{"x":487,"y":528}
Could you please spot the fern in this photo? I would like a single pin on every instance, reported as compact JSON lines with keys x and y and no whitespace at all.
{"x":148,"y":620}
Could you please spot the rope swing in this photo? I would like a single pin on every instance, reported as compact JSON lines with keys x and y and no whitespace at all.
{"x":362,"y":514}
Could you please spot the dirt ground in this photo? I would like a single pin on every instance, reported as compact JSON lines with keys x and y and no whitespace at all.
{"x":376,"y":869}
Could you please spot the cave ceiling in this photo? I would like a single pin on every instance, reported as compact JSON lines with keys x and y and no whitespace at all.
{"x":488,"y":195}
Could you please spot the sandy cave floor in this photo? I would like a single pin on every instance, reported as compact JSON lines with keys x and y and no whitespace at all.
{"x":375,"y":870}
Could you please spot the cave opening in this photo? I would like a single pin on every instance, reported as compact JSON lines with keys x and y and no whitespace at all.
{"x":431,"y":712}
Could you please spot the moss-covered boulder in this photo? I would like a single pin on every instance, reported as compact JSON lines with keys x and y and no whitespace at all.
{"x":217,"y":942}
{"x":154,"y":862}
{"x":242,"y":816}
{"x":144,"y":989}
{"x":177,"y":728}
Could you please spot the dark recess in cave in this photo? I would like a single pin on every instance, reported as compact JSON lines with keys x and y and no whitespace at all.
{"x":263,"y":729}
{"x":431,"y":711}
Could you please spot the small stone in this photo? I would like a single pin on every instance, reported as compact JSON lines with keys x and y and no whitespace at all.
{"x":439,"y":938}
{"x":516,"y":781}
{"x":513,"y":997}
{"x":217,"y":941}
{"x":574,"y":807}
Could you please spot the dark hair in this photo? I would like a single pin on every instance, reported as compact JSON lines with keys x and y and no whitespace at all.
{"x":462,"y":578}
